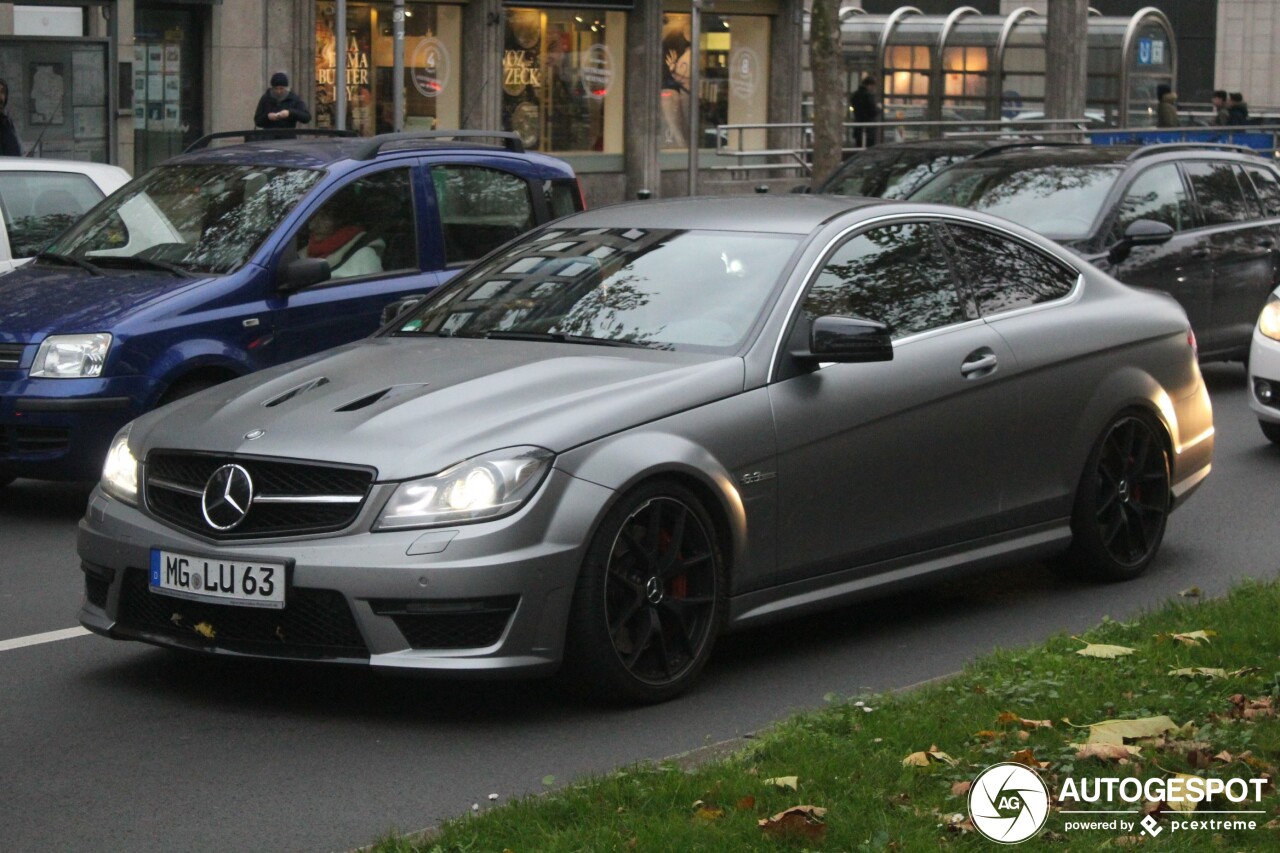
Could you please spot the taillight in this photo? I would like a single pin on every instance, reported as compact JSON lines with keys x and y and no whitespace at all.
{"x":1191,"y":342}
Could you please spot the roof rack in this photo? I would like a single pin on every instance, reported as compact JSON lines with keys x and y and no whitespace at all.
{"x":510,"y":141}
{"x":1001,"y":147}
{"x":259,"y":134}
{"x":1161,"y":147}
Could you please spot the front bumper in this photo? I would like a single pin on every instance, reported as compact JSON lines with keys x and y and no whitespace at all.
{"x":486,"y":598}
{"x":1264,"y":364}
{"x":60,"y":429}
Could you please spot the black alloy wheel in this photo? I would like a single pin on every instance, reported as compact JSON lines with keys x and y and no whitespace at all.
{"x":650,"y":599}
{"x":1122,"y":506}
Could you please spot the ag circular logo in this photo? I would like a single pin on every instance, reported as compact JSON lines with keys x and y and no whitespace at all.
{"x":1008,"y":803}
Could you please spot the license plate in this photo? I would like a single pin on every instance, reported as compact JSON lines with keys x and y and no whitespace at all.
{"x":244,"y":583}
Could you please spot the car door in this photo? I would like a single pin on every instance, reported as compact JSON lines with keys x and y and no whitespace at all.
{"x":1025,"y":295}
{"x":883,"y":459}
{"x":1182,"y":266}
{"x":1241,"y":247}
{"x":368,"y":230}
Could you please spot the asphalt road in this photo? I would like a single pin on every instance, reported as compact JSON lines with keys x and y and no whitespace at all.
{"x":119,"y":746}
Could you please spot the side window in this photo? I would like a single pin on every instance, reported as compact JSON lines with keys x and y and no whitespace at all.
{"x":1005,"y":274}
{"x":896,"y":274}
{"x":365,"y":228}
{"x":38,"y":206}
{"x":1267,"y":187}
{"x":563,"y":197}
{"x":480,"y":209}
{"x":1157,"y":194}
{"x":1217,"y":192}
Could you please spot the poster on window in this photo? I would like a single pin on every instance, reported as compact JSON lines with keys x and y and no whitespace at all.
{"x":46,"y":90}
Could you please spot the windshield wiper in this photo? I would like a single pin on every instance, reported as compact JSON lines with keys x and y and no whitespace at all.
{"x":69,"y":260}
{"x":151,"y":263}
{"x":562,"y":338}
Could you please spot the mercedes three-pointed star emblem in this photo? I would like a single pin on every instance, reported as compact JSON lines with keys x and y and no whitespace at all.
{"x":227,"y":497}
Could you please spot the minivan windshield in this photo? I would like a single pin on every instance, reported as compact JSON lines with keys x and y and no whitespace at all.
{"x":662,"y":288}
{"x":1061,"y":202}
{"x":198,"y":218}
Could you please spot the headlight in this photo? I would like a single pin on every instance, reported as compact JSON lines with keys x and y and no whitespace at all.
{"x":120,"y":471}
{"x":1269,"y":319}
{"x":481,"y":488}
{"x":71,"y":356}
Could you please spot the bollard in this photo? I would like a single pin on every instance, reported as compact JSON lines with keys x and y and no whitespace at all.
{"x":762,"y":188}
{"x":644,"y":195}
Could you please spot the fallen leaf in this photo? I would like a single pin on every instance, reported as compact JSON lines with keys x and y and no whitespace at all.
{"x":1100,"y":650}
{"x":1194,"y":638}
{"x":805,"y":821}
{"x":1127,"y":841}
{"x":1190,"y":592}
{"x":1225,"y":757}
{"x":1244,"y":670}
{"x":987,"y":734}
{"x":959,"y":789}
{"x":746,"y":803}
{"x":924,"y":759}
{"x":784,"y":782}
{"x":204,"y":629}
{"x":959,"y":823}
{"x":1202,"y":671}
{"x":1009,"y":717}
{"x":1181,"y":803}
{"x":1027,"y":758}
{"x":1117,"y":731}
{"x":1106,"y":751}
{"x":708,"y":813}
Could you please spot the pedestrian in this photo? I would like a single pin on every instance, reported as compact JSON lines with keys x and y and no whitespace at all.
{"x":1221,"y":115}
{"x":279,"y":108}
{"x":10,"y":144}
{"x":1167,"y":106}
{"x":865,"y":109}
{"x":1238,"y":111}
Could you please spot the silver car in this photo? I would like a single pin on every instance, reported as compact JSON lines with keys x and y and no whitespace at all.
{"x":639,"y":426}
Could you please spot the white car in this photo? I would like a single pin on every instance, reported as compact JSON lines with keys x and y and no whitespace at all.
{"x":1264,"y":369}
{"x":39,"y":199}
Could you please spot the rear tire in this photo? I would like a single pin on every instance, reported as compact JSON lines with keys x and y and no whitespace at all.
{"x":1122,"y":503}
{"x":1271,"y":431}
{"x":650,"y":599}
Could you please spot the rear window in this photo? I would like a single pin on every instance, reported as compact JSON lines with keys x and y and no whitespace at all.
{"x":1061,"y":202}
{"x":39,"y":206}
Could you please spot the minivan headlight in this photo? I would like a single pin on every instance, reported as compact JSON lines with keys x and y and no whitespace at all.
{"x":1269,"y":319}
{"x":120,"y":471}
{"x":481,"y":488}
{"x":71,"y":356}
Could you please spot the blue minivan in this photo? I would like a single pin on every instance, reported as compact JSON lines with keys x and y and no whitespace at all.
{"x":226,"y":260}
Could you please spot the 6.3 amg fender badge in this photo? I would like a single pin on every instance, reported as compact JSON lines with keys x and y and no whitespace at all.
{"x":254,"y":434}
{"x":227,"y":497}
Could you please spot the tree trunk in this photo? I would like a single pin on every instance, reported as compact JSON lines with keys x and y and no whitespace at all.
{"x":830,"y":98}
{"x":1065,"y":59}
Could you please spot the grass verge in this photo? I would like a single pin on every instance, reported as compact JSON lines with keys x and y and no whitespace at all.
{"x":893,"y":771}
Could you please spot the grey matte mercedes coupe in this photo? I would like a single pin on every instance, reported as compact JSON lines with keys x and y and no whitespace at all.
{"x":611,"y":440}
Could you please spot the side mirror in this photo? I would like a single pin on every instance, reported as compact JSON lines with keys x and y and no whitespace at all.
{"x":1143,"y":232}
{"x":847,"y":340}
{"x":303,"y":273}
{"x":395,"y":309}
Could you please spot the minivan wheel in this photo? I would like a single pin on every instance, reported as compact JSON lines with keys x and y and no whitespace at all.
{"x":1271,"y":431}
{"x":650,"y":599}
{"x":1122,"y":503}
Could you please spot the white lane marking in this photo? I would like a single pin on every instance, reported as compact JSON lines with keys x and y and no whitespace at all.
{"x":37,"y":639}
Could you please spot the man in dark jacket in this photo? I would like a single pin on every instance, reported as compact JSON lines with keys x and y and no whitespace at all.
{"x":279,"y":108}
{"x":10,"y":145}
{"x":1238,"y":110}
{"x":865,"y":108}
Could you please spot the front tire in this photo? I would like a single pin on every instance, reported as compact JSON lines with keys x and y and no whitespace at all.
{"x":1122,"y":503}
{"x":1271,"y":431}
{"x":650,"y":599}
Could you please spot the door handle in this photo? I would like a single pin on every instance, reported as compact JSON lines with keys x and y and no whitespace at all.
{"x":979,"y":366}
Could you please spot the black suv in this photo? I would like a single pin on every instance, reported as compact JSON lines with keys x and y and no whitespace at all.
{"x":894,"y":170}
{"x":1201,"y":222}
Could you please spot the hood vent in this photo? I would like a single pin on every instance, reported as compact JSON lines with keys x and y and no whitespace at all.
{"x":293,"y":392}
{"x":391,"y":393}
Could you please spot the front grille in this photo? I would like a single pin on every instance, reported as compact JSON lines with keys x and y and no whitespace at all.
{"x":10,"y":356}
{"x":29,"y":440}
{"x":449,"y":624}
{"x":314,"y":623}
{"x":290,"y":498}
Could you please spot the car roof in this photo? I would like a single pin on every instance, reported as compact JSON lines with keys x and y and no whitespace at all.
{"x":83,"y":167}
{"x":786,"y":214}
{"x":322,"y":152}
{"x":1021,"y":156}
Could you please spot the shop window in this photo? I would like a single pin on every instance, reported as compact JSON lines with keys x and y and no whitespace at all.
{"x":432,"y":66}
{"x":733,"y":85}
{"x":562,"y":78}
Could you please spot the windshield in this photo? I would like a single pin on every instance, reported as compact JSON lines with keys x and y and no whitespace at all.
{"x":1058,"y":201}
{"x":889,"y":174}
{"x":206,"y":218}
{"x":660,"y":288}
